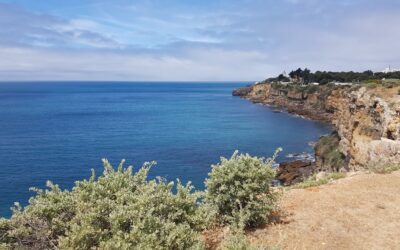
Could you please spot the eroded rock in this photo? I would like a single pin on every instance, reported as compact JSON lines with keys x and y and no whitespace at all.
{"x":367,"y":121}
{"x":293,"y":172}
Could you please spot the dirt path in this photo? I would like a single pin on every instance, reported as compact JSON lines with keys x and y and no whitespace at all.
{"x":358,"y":212}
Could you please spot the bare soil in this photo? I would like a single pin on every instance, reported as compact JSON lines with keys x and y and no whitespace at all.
{"x":361,"y":211}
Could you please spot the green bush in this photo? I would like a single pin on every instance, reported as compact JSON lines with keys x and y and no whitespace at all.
{"x":118,"y":210}
{"x":124,"y":210}
{"x":240,"y":189}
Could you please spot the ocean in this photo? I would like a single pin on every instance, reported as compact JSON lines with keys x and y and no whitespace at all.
{"x":58,"y":131}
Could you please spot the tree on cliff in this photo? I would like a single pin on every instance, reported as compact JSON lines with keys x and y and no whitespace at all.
{"x":283,"y":78}
{"x":300,"y":75}
{"x":324,"y":77}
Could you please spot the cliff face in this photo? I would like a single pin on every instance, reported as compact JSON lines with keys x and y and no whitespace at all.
{"x":305,"y":102}
{"x":367,"y":120}
{"x":368,"y":124}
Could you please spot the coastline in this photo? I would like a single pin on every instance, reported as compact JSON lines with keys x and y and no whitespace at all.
{"x":297,"y":166}
{"x":365,"y":123}
{"x":185,"y":130}
{"x":305,"y":105}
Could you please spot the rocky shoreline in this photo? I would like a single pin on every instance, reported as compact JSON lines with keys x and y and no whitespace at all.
{"x":366,"y":124}
{"x":294,"y":101}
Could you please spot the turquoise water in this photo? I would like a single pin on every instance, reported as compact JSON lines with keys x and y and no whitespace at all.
{"x":59,"y":131}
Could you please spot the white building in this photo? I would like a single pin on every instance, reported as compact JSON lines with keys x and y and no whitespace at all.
{"x":390,"y":70}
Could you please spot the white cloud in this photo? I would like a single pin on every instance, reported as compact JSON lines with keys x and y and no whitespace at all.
{"x":242,"y":41}
{"x":199,"y":64}
{"x":18,"y":26}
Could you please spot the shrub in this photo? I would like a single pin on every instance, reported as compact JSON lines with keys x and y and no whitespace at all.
{"x":118,"y":210}
{"x":311,"y":89}
{"x":240,"y":189}
{"x":237,"y":241}
{"x":371,"y":85}
{"x":124,"y":210}
{"x":327,"y":148}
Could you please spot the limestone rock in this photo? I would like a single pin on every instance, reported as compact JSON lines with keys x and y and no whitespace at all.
{"x":367,"y":121}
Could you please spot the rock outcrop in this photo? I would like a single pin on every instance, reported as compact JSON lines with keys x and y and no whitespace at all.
{"x":295,"y":100}
{"x":293,"y":172}
{"x":367,"y":121}
{"x":368,"y":124}
{"x":242,"y":91}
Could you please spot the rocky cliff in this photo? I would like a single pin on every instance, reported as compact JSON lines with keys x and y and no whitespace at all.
{"x":368,"y":124}
{"x":308,"y":102}
{"x":367,"y":120}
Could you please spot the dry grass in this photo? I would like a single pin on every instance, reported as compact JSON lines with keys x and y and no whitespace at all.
{"x":358,"y":212}
{"x":389,"y":94}
{"x":312,"y":181}
{"x":383,"y":167}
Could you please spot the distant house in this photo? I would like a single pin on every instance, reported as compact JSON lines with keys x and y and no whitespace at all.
{"x":315,"y":83}
{"x":390,"y":70}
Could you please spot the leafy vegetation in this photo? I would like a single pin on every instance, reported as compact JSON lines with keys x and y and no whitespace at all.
{"x":325,"y":77}
{"x":238,"y":241}
{"x":371,"y":85}
{"x":328,"y":151}
{"x":118,"y":210}
{"x":311,"y":89}
{"x":122,"y":209}
{"x":240,"y":189}
{"x":313,"y":181}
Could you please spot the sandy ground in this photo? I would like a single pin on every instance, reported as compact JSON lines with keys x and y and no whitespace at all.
{"x":361,"y":211}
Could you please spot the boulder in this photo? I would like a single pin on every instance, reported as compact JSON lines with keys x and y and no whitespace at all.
{"x":242,"y":91}
{"x":292,"y":172}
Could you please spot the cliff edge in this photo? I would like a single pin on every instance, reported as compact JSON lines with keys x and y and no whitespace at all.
{"x":366,"y":120}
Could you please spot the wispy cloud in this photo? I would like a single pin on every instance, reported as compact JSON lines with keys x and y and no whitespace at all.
{"x":205,"y":40}
{"x":21,"y":27}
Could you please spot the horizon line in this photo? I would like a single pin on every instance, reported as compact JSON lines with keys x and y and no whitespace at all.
{"x":127,"y":81}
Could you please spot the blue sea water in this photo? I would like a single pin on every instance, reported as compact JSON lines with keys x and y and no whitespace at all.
{"x":59,"y":131}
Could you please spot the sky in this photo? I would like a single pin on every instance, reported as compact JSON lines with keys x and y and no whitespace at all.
{"x":193,"y":40}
